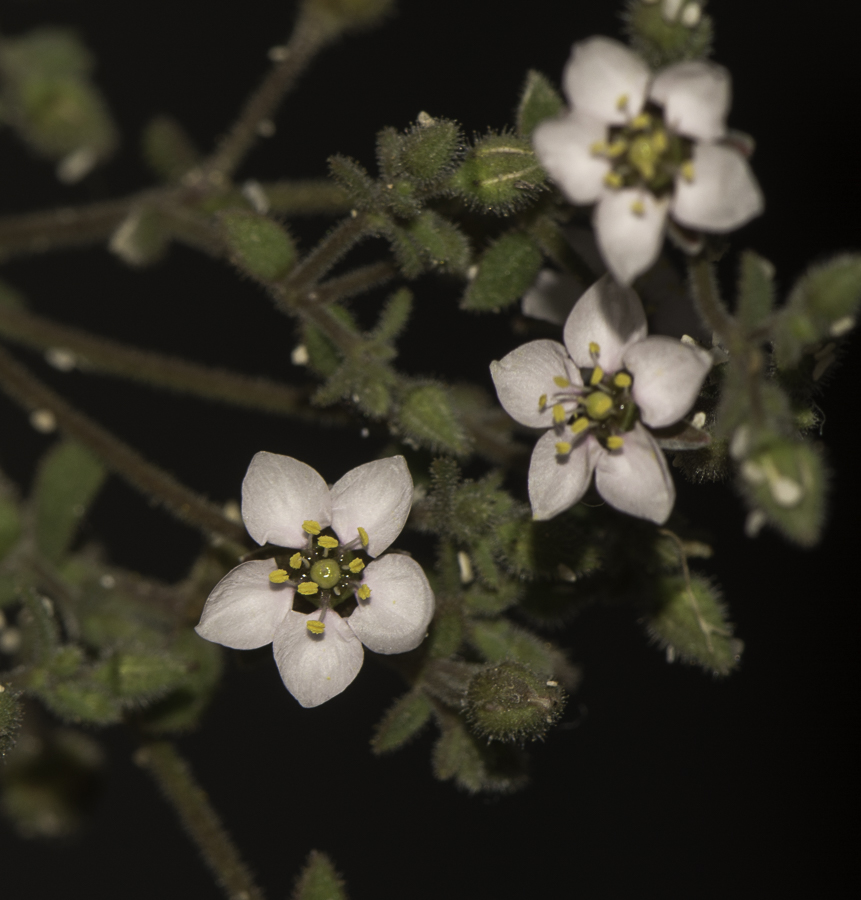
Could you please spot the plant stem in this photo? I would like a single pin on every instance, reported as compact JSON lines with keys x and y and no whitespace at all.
{"x":113,"y":358}
{"x":708,"y":300}
{"x":307,"y":39}
{"x":306,"y":197}
{"x":189,"y":801}
{"x":331,"y":249}
{"x":30,"y":393}
{"x":355,"y":282}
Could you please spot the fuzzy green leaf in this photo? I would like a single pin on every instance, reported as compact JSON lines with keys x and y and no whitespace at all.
{"x":538,"y":101}
{"x":394,"y":317}
{"x":505,"y":272}
{"x":661,"y":40}
{"x":402,"y":722}
{"x":755,"y":290}
{"x":257,"y":244}
{"x":11,"y":714}
{"x":319,"y":880}
{"x":426,"y":417}
{"x":167,"y":149}
{"x":67,"y":482}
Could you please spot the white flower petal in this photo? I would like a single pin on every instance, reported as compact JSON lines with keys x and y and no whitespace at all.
{"x":377,"y":497}
{"x":667,"y":378}
{"x":723,"y":194}
{"x":557,"y":482}
{"x":629,"y":224}
{"x":552,"y":296}
{"x":527,"y":373}
{"x":605,"y":79}
{"x":696,"y":97}
{"x":279,"y":493}
{"x":245,"y":608}
{"x":396,"y":616}
{"x":609,"y":315}
{"x":564,"y":147}
{"x":636,"y":479}
{"x":316,"y":667}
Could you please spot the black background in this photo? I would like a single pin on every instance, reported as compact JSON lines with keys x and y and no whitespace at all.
{"x":660,"y":782}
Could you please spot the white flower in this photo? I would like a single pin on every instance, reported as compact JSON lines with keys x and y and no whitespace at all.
{"x":642,"y":147}
{"x":319,"y":652}
{"x":595,"y":395}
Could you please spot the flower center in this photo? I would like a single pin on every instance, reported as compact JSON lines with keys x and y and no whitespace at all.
{"x":326,"y":573}
{"x":644,"y":153}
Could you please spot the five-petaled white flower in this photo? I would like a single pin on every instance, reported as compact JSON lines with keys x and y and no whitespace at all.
{"x":386,"y":605}
{"x":642,"y":147}
{"x":595,"y":395}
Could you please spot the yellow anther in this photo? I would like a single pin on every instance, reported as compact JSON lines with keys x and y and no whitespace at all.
{"x":594,"y":349}
{"x":542,"y":401}
{"x":614,"y":442}
{"x":356,"y":566}
{"x":279,"y":576}
{"x":622,"y":380}
{"x":363,"y":536}
{"x":315,"y":626}
{"x":364,"y":592}
{"x":296,"y":561}
{"x":579,"y":425}
{"x":329,"y":543}
{"x":597,"y":375}
{"x":598,"y":405}
{"x":641,"y":121}
{"x":561,"y":381}
{"x":558,"y":413}
{"x":622,"y":101}
{"x":307,"y":588}
{"x":638,"y":208}
{"x":687,"y":170}
{"x":613,"y":180}
{"x":563,"y":448}
{"x":311,"y":527}
{"x":598,"y":148}
{"x":616,"y":149}
{"x":659,"y":140}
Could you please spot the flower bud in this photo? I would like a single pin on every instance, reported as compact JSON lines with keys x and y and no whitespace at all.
{"x":510,"y":702}
{"x":668,"y":32}
{"x":505,"y":272}
{"x":258,"y":245}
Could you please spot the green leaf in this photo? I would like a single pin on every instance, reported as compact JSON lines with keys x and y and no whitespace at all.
{"x":319,"y":880}
{"x":426,"y":417}
{"x":402,"y":722}
{"x":755,"y":290}
{"x":67,"y":482}
{"x":691,"y":625}
{"x":538,"y":101}
{"x":662,"y":40}
{"x":394,"y":317}
{"x":499,"y":640}
{"x":11,"y":713}
{"x":257,"y":244}
{"x":506,"y":270}
{"x":360,"y":187}
{"x":499,"y":174}
{"x":429,"y":241}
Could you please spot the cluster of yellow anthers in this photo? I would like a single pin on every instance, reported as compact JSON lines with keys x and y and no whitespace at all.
{"x":316,"y":572}
{"x":605,"y":400}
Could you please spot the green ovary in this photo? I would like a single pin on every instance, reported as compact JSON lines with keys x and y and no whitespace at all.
{"x":598,"y":405}
{"x":326,"y":573}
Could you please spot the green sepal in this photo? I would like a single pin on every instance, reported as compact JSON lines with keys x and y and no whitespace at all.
{"x":323,"y":356}
{"x":359,"y":186}
{"x":539,"y":100}
{"x":446,"y":631}
{"x":429,"y":241}
{"x":499,"y":174}
{"x":661,"y":42}
{"x":506,"y":270}
{"x":427,"y":418}
{"x":822,"y":305}
{"x":394,"y":317}
{"x":690,"y":624}
{"x":258,"y":245}
{"x":319,"y":880}
{"x":474,"y":765}
{"x":511,"y":702}
{"x":168,"y":149}
{"x":139,"y":677}
{"x":68,"y":479}
{"x":51,"y":784}
{"x":755,"y":291}
{"x":785,"y":479}
{"x":83,"y":699}
{"x":11,"y":714}
{"x":402,"y":722}
{"x":429,"y":150}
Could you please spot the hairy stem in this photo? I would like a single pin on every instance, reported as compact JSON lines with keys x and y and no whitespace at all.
{"x":711,"y":307}
{"x":30,"y":393}
{"x":331,"y":249}
{"x":289,"y":62}
{"x":189,"y":801}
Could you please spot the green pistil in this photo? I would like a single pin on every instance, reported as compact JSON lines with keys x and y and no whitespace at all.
{"x":326,"y":572}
